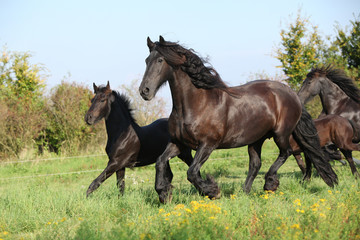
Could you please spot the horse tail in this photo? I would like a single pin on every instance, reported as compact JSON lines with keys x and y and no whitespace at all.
{"x":305,"y":134}
{"x":356,"y":132}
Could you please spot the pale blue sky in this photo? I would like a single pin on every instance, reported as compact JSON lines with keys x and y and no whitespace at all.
{"x":105,"y":40}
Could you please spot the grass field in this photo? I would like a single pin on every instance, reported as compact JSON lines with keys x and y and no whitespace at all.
{"x":46,"y":200}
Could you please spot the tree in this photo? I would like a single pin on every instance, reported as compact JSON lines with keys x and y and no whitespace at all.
{"x":21,"y":102}
{"x":66,"y":131}
{"x":349,"y":45}
{"x":299,"y":51}
{"x":145,"y":112}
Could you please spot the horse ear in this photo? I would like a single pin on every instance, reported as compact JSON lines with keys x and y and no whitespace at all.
{"x":108,"y":86}
{"x":150,"y":44}
{"x":95,"y":88}
{"x":161,"y":39}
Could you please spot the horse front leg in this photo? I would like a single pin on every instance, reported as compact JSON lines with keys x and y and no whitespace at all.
{"x":108,"y":171}
{"x":120,"y":180}
{"x":163,"y":173}
{"x":206,"y":187}
{"x":254,"y":151}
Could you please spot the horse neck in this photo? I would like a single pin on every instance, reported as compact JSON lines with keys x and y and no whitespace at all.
{"x":184,"y":93}
{"x":331,"y":94}
{"x":118,"y":121}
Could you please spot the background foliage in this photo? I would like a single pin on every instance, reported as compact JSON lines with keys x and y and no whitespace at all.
{"x":302,"y":49}
{"x":33,"y":121}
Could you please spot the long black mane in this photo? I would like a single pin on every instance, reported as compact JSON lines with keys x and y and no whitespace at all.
{"x":177,"y":56}
{"x":123,"y":100}
{"x":339,"y":77}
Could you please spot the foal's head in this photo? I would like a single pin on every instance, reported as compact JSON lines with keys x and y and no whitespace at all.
{"x":100,"y":104}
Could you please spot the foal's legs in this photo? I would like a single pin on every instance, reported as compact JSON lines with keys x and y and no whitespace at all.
{"x":108,"y":171}
{"x":206,"y":187}
{"x":254,"y":151}
{"x":120,"y":181}
{"x":348,"y":156}
{"x":164,"y":174}
{"x":300,"y":162}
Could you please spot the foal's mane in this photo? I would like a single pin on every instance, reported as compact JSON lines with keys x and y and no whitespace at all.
{"x":177,"y":56}
{"x":339,"y":77}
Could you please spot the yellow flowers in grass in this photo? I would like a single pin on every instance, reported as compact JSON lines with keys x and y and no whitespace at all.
{"x":3,"y":234}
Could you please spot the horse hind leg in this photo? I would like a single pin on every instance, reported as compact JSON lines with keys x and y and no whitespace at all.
{"x":300,"y":162}
{"x":254,"y":151}
{"x":348,"y":156}
{"x":271,"y":179}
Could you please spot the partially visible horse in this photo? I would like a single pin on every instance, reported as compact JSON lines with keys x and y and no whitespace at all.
{"x":207,"y":114}
{"x":332,"y":129}
{"x":338,"y":93}
{"x":128,"y":144}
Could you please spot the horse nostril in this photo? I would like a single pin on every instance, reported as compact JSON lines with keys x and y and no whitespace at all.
{"x":146,"y":91}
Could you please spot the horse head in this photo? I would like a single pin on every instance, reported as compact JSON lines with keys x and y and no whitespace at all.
{"x":100,"y":104}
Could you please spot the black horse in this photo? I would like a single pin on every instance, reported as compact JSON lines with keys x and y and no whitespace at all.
{"x":338,"y":93}
{"x":207,"y":114}
{"x":128,"y":144}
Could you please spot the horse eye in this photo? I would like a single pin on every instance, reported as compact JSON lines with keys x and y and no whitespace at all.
{"x":160,"y":60}
{"x":103,"y":100}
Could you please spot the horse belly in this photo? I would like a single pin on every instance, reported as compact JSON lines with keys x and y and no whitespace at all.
{"x":248,"y":131}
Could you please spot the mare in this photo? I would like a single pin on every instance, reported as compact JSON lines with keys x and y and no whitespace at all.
{"x":208,"y":115}
{"x":332,"y":129}
{"x":128,"y":144}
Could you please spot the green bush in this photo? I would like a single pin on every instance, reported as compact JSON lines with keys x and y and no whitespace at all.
{"x":67,"y":131}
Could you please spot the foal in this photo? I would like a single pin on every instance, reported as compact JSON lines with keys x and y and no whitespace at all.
{"x":332,"y":129}
{"x":128,"y":144}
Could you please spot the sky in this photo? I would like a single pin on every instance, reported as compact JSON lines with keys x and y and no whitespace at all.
{"x":98,"y":41}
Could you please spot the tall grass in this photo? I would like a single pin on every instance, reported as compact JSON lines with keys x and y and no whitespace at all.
{"x":55,"y":207}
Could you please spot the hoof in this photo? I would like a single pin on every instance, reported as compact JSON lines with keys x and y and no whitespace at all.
{"x":271,"y":183}
{"x":165,"y":199}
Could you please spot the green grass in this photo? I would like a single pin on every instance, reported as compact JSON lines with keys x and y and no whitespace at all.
{"x":35,"y":206}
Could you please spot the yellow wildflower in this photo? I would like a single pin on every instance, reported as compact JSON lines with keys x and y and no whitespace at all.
{"x":296,"y":226}
{"x":179,"y":206}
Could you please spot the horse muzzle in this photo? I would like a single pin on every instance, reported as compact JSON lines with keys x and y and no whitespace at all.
{"x":145,"y":93}
{"x":89,"y":119}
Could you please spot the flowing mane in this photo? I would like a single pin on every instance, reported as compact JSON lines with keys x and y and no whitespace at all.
{"x":122,"y":99}
{"x":338,"y":77}
{"x":177,"y":56}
